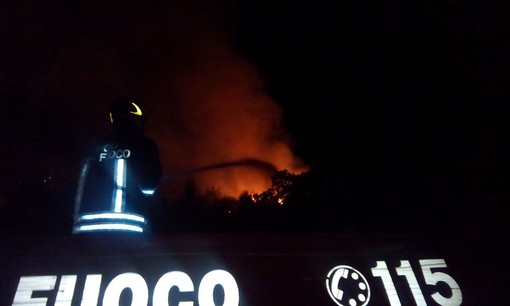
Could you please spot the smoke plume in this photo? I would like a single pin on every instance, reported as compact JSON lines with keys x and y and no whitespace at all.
{"x":206,"y":104}
{"x":220,"y":113}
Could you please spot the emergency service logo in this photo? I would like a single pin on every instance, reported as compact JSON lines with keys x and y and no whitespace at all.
{"x":347,"y":286}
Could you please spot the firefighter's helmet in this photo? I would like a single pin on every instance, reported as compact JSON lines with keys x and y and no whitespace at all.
{"x":125,"y":108}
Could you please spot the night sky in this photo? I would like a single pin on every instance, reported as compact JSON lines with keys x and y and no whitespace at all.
{"x":403,"y":103}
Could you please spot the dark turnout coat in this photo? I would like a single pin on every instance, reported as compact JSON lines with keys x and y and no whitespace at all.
{"x":118,"y":180}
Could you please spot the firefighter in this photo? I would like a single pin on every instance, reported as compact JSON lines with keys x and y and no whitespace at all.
{"x":118,"y":181}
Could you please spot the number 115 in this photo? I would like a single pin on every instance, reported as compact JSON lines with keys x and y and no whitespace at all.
{"x":431,"y":278}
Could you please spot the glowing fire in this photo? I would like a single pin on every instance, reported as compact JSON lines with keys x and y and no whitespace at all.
{"x":221,"y":114}
{"x":256,"y":197}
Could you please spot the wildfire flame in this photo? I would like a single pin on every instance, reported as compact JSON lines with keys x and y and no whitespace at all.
{"x":221,"y":113}
{"x":226,"y":116}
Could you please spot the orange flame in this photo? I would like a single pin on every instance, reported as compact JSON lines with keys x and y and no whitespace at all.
{"x":220,"y":114}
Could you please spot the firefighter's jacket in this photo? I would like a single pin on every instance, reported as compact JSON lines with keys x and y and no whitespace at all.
{"x":117,"y":183}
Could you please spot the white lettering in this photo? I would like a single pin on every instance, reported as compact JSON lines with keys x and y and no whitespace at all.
{"x":406,"y":271}
{"x":381,"y":270}
{"x":91,"y":290}
{"x":222,"y":278}
{"x":28,"y":284}
{"x":126,"y":281}
{"x":65,"y":290}
{"x":435,"y":277}
{"x":134,"y":282}
{"x":432,"y":278}
{"x":178,"y":279}
{"x":114,"y":154}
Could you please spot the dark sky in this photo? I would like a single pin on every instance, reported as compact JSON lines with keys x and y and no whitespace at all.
{"x":404,"y":100}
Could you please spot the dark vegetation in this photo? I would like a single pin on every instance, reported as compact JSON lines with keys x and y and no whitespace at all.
{"x":316,"y":201}
{"x":320,"y":200}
